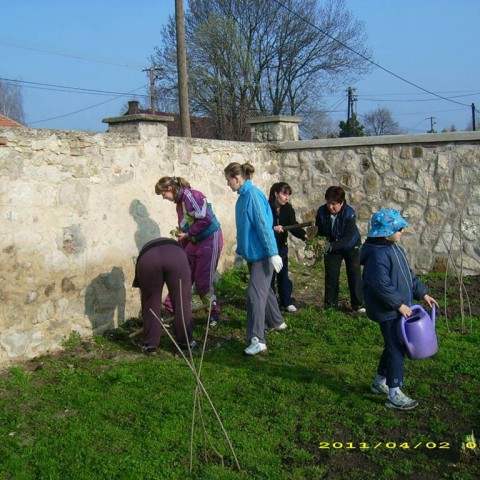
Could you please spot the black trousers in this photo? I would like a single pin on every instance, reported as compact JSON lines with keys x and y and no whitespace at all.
{"x":285,"y":286}
{"x":333,"y":262}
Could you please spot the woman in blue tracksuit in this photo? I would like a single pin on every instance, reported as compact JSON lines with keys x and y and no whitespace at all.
{"x":390,"y":287}
{"x":256,"y":244}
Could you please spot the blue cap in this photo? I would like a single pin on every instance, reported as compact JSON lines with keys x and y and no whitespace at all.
{"x":386,"y":222}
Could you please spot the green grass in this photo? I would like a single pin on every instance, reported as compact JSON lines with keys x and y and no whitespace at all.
{"x":302,"y":410}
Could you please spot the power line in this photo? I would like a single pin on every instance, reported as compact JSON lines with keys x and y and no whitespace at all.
{"x":71,"y":54}
{"x":406,"y":100}
{"x":60,"y":88}
{"x":366,"y":58}
{"x":86,"y":108}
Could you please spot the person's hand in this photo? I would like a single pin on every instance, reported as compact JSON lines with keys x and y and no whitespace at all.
{"x":327,"y":247}
{"x":276,"y":261}
{"x":430,"y":301}
{"x":182,"y":236}
{"x":405,"y":310}
{"x":278,"y":229}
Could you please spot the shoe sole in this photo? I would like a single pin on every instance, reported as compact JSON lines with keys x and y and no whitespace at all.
{"x":403,"y":407}
{"x":270,"y":330}
{"x":251,"y":354}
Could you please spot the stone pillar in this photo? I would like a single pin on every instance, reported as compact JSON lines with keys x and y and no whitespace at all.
{"x":278,"y":128}
{"x":139,"y":125}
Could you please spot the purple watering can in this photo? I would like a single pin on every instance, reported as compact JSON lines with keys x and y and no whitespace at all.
{"x":417,"y":332}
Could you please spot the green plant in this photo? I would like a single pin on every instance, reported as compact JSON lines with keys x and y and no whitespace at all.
{"x":316,"y":246}
{"x":74,"y":340}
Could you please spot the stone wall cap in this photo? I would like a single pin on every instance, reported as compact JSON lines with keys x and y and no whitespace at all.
{"x":275,"y":119}
{"x":141,"y":117}
{"x":423,"y":138}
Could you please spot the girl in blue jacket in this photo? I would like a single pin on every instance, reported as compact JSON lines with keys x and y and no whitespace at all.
{"x":389,"y":289}
{"x":256,"y":244}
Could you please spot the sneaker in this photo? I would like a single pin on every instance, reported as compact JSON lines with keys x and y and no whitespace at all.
{"x":291,"y":309}
{"x":149,"y":350}
{"x":279,"y":328}
{"x":255,"y":347}
{"x":362,"y":311}
{"x":401,"y":402}
{"x":184,"y":346}
{"x":215,"y":321}
{"x":378,"y":387}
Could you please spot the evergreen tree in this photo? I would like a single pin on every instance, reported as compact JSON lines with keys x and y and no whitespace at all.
{"x":352,"y":128}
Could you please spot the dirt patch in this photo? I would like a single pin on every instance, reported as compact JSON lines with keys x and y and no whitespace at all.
{"x":308,"y":290}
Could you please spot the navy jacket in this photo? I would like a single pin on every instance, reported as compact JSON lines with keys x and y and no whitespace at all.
{"x":344,"y":235}
{"x":388,"y":281}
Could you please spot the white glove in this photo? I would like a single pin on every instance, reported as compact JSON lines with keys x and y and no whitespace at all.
{"x":277,"y":263}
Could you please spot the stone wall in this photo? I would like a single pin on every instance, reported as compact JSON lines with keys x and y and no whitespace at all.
{"x":77,"y":206}
{"x":75,"y":209}
{"x":434,"y":180}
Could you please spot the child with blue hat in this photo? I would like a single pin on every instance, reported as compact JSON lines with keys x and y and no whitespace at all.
{"x":389,"y":289}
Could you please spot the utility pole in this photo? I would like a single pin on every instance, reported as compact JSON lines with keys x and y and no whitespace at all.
{"x":182,"y":69}
{"x":350,"y":104}
{"x":432,"y":123}
{"x":350,"y":111}
{"x":473,"y":116}
{"x":152,"y":71}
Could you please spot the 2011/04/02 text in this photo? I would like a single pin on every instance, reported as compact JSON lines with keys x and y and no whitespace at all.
{"x":388,"y":445}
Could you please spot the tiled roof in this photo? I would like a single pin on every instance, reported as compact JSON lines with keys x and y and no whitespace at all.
{"x":7,"y":122}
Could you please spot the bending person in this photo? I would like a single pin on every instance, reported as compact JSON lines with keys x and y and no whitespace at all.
{"x":163,"y":261}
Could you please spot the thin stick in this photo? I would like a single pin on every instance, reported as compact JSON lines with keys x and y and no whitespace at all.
{"x":194,"y":310}
{"x":200,"y":384}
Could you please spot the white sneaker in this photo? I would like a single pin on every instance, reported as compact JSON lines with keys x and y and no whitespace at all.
{"x":279,"y":328}
{"x":291,"y":308}
{"x":362,"y":311}
{"x":255,"y":347}
{"x":401,"y":402}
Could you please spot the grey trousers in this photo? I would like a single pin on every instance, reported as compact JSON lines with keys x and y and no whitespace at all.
{"x":262,"y":305}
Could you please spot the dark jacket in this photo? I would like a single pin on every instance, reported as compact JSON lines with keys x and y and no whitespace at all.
{"x":285,"y":217}
{"x":344,"y":235}
{"x":388,"y":281}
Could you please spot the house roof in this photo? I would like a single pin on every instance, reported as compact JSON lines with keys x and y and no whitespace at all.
{"x":201,"y":127}
{"x":8,"y":122}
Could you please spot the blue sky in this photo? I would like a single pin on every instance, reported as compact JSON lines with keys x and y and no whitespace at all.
{"x":103,"y":45}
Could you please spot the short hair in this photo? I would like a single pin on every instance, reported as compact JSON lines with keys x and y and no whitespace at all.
{"x":335,"y":194}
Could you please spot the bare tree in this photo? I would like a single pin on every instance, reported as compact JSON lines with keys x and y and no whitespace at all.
{"x":256,"y":57}
{"x":317,"y":124}
{"x":11,"y":101}
{"x":381,"y":122}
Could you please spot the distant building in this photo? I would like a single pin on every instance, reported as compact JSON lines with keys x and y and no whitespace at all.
{"x":8,"y":122}
{"x":201,"y":127}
